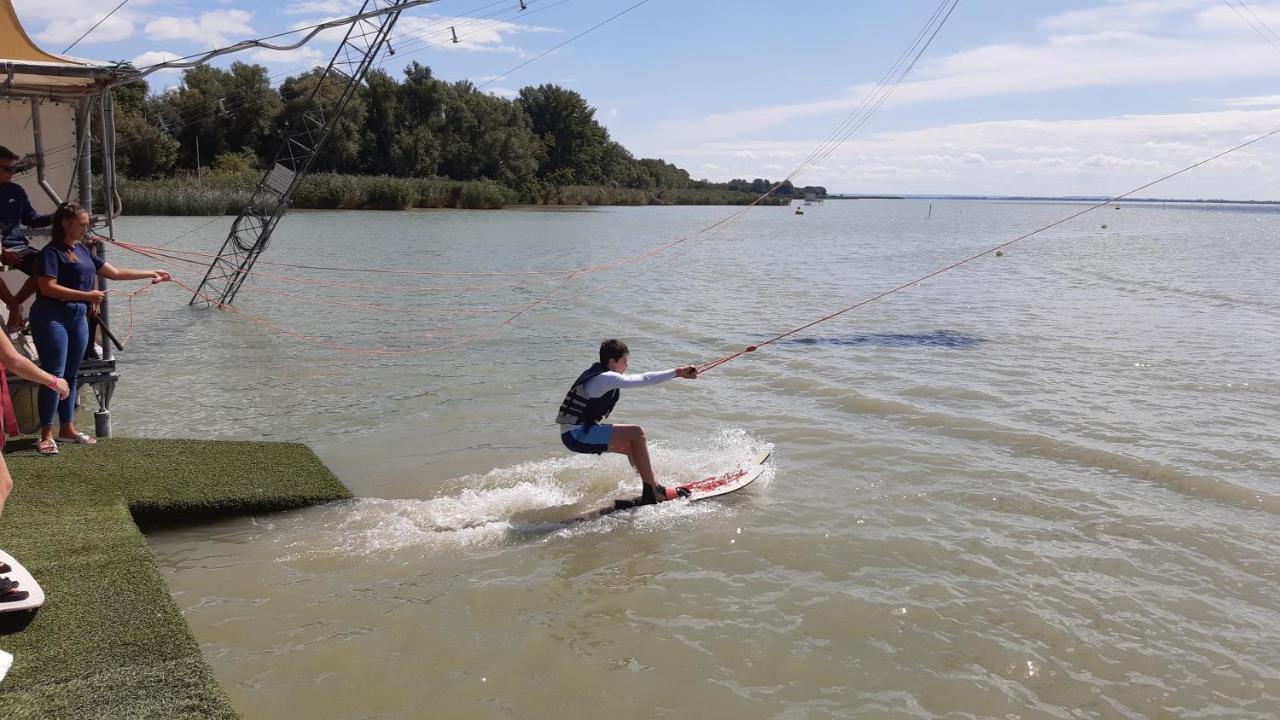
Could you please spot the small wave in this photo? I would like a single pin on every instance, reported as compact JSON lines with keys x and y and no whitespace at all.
{"x":1076,"y":451}
{"x":937,"y":338}
{"x":527,"y":501}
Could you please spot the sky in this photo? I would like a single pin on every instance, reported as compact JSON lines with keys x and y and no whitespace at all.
{"x":1044,"y":98}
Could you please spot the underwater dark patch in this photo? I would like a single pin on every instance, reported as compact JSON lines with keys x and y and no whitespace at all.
{"x":937,"y":338}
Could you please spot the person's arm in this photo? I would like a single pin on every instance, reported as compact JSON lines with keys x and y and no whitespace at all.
{"x":50,"y":288}
{"x":604,"y":382}
{"x":33,"y":219}
{"x":111,"y":272}
{"x":14,"y":362}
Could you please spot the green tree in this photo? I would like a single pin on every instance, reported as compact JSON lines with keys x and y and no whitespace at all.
{"x":252,"y":107}
{"x":142,"y":149}
{"x":571,"y":138}
{"x":382,"y":124}
{"x":341,"y":152}
{"x":487,"y":138}
{"x":236,"y":163}
{"x":192,"y":113}
{"x":666,"y":175}
{"x":416,"y":147}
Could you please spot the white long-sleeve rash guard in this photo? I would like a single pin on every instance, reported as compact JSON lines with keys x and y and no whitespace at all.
{"x":606,"y":381}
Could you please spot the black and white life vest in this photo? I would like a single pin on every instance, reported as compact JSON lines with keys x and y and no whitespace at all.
{"x":578,"y":409}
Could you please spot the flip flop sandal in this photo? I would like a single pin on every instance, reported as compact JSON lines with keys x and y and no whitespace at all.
{"x":6,"y":585}
{"x":14,"y":596}
{"x":47,"y":447}
{"x":4,"y":568}
{"x":79,"y":439}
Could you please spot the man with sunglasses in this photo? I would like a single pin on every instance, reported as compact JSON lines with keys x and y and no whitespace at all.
{"x":15,"y":213}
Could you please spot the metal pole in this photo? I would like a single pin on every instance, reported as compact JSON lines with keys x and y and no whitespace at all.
{"x":40,"y":159}
{"x":105,"y":117}
{"x":85,"y":128}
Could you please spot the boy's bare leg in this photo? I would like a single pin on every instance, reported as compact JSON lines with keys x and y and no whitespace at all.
{"x":629,"y":440}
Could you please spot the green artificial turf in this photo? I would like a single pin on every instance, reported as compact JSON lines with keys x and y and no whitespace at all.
{"x":109,"y":641}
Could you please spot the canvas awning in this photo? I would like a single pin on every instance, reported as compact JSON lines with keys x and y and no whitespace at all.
{"x":27,"y":70}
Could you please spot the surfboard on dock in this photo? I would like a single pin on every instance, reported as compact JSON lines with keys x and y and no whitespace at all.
{"x":15,"y":614}
{"x":709,"y":487}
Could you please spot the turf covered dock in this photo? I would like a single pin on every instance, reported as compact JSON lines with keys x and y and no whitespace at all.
{"x":110,"y":641}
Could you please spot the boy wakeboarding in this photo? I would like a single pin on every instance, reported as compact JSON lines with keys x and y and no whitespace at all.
{"x":591,"y":399}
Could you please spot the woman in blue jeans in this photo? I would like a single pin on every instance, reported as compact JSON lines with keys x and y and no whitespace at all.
{"x":66,"y":273}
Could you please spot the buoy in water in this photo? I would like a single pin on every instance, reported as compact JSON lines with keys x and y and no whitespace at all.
{"x":999,"y":253}
{"x":1104,"y":227}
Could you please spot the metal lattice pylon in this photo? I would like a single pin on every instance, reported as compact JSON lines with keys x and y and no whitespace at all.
{"x":251,"y":231}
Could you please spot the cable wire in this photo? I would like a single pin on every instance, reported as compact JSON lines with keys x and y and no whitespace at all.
{"x":106,"y":17}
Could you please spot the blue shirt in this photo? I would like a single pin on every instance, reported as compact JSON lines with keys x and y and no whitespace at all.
{"x":16,"y":211}
{"x":72,"y":275}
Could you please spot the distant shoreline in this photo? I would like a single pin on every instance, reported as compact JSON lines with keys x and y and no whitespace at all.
{"x":224,"y":193}
{"x":1035,"y":198}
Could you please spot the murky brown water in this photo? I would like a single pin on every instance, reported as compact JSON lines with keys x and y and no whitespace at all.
{"x":1042,"y":486}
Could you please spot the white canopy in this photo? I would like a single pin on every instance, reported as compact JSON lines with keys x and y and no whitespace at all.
{"x":27,"y":70}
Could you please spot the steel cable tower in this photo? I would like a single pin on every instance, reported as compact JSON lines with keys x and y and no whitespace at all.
{"x":251,"y":231}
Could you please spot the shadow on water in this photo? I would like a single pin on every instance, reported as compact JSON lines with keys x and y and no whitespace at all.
{"x":937,"y":338}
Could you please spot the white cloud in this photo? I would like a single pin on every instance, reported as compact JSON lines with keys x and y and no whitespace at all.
{"x":1140,"y":15}
{"x":154,"y":57}
{"x":1192,"y":49}
{"x":60,"y":22}
{"x":1256,"y":101}
{"x":1219,"y":17}
{"x":211,"y":29}
{"x":1113,"y":161}
{"x":323,"y":7}
{"x":161,"y":79}
{"x":301,"y":57}
{"x":1102,"y":156}
{"x":416,"y":33}
{"x":1043,"y":150}
{"x":64,"y":32}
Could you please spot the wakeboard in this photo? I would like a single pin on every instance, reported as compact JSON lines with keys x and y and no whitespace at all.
{"x":706,"y":488}
{"x":16,"y":613}
{"x":728,"y":482}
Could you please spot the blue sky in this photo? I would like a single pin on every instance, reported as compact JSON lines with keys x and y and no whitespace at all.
{"x":1036,"y":98}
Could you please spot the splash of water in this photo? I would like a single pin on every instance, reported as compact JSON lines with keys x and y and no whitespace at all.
{"x":528,"y":500}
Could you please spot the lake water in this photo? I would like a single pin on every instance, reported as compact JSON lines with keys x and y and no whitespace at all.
{"x":1044,"y":485}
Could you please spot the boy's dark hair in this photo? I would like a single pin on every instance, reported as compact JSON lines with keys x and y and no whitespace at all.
{"x":7,"y":154}
{"x":612,"y":349}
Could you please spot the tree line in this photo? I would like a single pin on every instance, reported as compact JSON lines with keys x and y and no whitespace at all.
{"x":416,"y":127}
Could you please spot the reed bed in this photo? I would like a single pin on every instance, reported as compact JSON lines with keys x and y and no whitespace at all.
{"x":228,"y":193}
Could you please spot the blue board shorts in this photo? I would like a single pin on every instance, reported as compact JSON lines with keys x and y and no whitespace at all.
{"x":593,"y":439}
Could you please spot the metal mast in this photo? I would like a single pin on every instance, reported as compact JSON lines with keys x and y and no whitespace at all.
{"x":251,"y":231}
